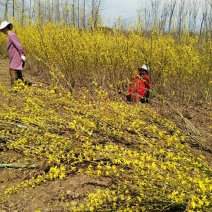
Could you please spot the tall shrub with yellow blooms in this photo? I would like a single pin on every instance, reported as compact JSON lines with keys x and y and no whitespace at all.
{"x":180,"y":67}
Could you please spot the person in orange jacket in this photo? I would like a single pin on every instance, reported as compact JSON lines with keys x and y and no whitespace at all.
{"x":140,"y":86}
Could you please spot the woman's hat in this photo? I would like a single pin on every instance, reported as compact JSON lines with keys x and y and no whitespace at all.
{"x":145,"y":67}
{"x":5,"y":24}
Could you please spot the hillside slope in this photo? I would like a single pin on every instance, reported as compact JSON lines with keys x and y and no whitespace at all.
{"x":58,"y":153}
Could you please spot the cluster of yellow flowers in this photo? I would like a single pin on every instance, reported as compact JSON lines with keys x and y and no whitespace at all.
{"x":140,"y":152}
{"x":180,"y":66}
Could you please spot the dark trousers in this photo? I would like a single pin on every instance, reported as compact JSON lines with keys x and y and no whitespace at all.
{"x":144,"y":99}
{"x":15,"y":75}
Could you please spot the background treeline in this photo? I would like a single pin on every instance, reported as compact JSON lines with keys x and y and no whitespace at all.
{"x":78,"y":13}
{"x":196,"y":15}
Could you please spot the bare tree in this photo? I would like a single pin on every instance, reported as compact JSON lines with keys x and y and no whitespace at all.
{"x":6,"y":10}
{"x":83,"y":22}
{"x":150,"y":13}
{"x":154,"y":11}
{"x":73,"y":13}
{"x":49,"y":11}
{"x":163,"y":19}
{"x":22,"y":11}
{"x":172,"y":9}
{"x":95,"y":12}
{"x":206,"y":23}
{"x":78,"y":14}
{"x":57,"y":10}
{"x":66,"y":11}
{"x":14,"y":8}
{"x":192,"y":16}
{"x":210,"y":18}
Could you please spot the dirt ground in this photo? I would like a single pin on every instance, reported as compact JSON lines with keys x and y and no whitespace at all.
{"x":56,"y":196}
{"x":50,"y":196}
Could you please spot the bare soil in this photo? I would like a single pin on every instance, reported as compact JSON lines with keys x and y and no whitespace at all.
{"x":57,"y":195}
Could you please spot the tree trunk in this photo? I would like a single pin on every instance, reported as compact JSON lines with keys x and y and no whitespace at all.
{"x":78,"y":15}
{"x":6,"y":10}
{"x":73,"y":13}
{"x":83,"y":14}
{"x":171,"y":14}
{"x":22,"y":12}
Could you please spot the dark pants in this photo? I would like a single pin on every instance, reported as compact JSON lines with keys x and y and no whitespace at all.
{"x":144,"y":99}
{"x":15,"y":75}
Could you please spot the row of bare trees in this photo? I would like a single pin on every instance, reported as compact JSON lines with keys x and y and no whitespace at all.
{"x":195,"y":15}
{"x":78,"y":13}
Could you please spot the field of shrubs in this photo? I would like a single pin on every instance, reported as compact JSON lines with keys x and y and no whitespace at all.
{"x":180,"y":66}
{"x":76,"y":121}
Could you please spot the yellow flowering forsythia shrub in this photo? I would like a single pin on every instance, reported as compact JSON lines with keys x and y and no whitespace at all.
{"x":144,"y":156}
{"x":3,"y":50}
{"x":180,"y":67}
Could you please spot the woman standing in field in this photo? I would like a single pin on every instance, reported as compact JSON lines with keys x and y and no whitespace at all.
{"x":16,"y":52}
